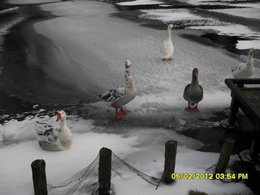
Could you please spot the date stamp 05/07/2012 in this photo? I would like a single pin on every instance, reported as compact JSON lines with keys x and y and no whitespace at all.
{"x":210,"y":176}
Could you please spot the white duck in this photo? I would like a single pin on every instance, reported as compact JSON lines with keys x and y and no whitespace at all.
{"x":248,"y":69}
{"x":51,"y":138}
{"x":168,"y":45}
{"x":193,"y":92}
{"x":121,"y":95}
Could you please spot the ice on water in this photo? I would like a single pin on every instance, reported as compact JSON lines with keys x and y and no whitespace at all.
{"x":88,"y":39}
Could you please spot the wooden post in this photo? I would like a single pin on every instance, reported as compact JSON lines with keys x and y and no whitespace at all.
{"x":104,"y":171}
{"x":39,"y":177}
{"x":255,"y":143}
{"x":169,"y":162}
{"x":233,"y":110}
{"x":225,"y":155}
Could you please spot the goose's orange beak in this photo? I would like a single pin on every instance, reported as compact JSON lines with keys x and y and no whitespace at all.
{"x":58,"y":116}
{"x":254,"y":52}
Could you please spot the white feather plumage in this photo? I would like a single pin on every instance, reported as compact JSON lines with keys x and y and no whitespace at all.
{"x":168,"y":45}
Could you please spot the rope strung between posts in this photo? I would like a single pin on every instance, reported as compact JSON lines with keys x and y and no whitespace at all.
{"x":122,"y":168}
{"x":87,"y":179}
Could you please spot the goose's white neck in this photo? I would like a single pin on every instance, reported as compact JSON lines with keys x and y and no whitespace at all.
{"x":63,"y":123}
{"x":250,"y":60}
{"x":169,"y":34}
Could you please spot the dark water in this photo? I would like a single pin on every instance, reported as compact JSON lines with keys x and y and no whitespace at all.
{"x":25,"y":88}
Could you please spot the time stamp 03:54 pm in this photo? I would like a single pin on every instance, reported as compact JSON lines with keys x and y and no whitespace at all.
{"x":210,"y":176}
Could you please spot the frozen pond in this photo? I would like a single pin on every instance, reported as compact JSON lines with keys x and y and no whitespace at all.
{"x":77,"y":52}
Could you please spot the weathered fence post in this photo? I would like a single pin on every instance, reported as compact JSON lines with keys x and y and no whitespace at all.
{"x":233,"y":110}
{"x":255,"y":145}
{"x":39,"y":177}
{"x":104,"y":171}
{"x":169,"y":162}
{"x":225,"y":155}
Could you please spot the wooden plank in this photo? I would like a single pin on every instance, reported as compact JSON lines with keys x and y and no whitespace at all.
{"x":233,"y":110}
{"x":225,"y":155}
{"x":252,"y":113}
{"x":256,"y":139}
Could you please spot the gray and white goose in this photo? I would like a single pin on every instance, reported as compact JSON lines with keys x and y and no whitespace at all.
{"x":121,"y":96}
{"x":248,"y":69}
{"x":193,"y":93}
{"x":53,"y":138}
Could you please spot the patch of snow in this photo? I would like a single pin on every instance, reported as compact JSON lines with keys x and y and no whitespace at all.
{"x":181,"y":18}
{"x":140,"y":2}
{"x":246,"y":44}
{"x":6,"y":25}
{"x":18,"y":2}
{"x":255,"y":5}
{"x":241,"y":12}
{"x":9,"y":10}
{"x":169,"y":15}
{"x":236,"y":30}
{"x":207,"y":2}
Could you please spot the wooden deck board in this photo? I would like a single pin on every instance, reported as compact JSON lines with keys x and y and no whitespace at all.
{"x":246,"y":96}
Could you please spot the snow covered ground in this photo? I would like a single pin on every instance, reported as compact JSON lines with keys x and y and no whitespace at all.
{"x":169,"y":15}
{"x":185,"y":17}
{"x":86,"y":47}
{"x":137,"y":146}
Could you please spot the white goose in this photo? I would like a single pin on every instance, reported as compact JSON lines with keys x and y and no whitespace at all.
{"x":248,"y":69}
{"x":168,"y":45}
{"x":51,"y":138}
{"x":120,"y":96}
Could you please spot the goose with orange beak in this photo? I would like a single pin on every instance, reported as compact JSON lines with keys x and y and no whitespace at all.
{"x":121,"y":96}
{"x":54,"y":139}
{"x":248,"y":69}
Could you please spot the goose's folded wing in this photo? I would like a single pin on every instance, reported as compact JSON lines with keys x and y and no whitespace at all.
{"x":186,"y":93}
{"x":168,"y":44}
{"x":237,"y":68}
{"x":113,"y":94}
{"x":45,"y":131}
{"x":202,"y":92}
{"x":163,"y":47}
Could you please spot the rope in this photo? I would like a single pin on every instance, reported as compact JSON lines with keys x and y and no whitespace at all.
{"x":87,"y":178}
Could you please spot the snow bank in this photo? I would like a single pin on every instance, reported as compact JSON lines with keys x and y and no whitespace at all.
{"x":167,"y":15}
{"x":140,"y":2}
{"x":241,"y":12}
{"x":19,"y":2}
{"x":253,"y":37}
{"x":137,"y":146}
